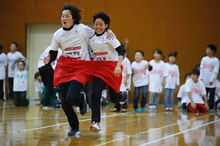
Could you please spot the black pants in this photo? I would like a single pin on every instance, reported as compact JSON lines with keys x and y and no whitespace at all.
{"x":1,"y":89}
{"x":46,"y":73}
{"x":20,"y":99}
{"x":118,"y":106}
{"x":70,"y":92}
{"x":211,"y":93}
{"x":10,"y":85}
{"x":98,"y":86}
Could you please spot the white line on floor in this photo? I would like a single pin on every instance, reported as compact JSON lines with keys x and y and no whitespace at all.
{"x":166,"y":126}
{"x":60,"y":124}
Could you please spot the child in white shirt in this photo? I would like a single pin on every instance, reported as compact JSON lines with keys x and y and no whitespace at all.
{"x":125,"y":87}
{"x":3,"y":64}
{"x":156,"y":79}
{"x":209,"y":68}
{"x":12,"y":56}
{"x":183,"y":99}
{"x":140,"y":80}
{"x":20,"y":84}
{"x":196,"y":92}
{"x":171,"y":81}
{"x":217,"y":93}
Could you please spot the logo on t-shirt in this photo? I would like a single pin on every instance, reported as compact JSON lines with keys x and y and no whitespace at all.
{"x":172,"y":73}
{"x":208,"y":66}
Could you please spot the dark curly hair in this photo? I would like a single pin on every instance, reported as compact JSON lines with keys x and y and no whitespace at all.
{"x":102,"y":16}
{"x":75,"y":12}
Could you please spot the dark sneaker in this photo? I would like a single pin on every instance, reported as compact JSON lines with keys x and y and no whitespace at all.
{"x":123,"y":97}
{"x":82,"y":104}
{"x":73,"y":133}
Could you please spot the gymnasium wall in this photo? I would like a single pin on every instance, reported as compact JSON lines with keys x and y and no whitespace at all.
{"x":185,"y":26}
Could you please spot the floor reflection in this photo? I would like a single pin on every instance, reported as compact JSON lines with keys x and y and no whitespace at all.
{"x":34,"y":126}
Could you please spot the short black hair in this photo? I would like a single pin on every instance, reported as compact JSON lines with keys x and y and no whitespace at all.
{"x":186,"y":75}
{"x":36,"y":75}
{"x":197,"y":66}
{"x":140,"y":51}
{"x":158,"y":51}
{"x":195,"y":71}
{"x":1,"y":47}
{"x":174,"y":54}
{"x":212,"y":47}
{"x":15,"y":44}
{"x":75,"y":12}
{"x":21,"y":62}
{"x":102,"y":16}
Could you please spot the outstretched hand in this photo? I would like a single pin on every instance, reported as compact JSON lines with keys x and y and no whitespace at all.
{"x":117,"y":71}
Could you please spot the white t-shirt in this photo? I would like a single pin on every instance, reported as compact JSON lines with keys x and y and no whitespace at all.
{"x":209,"y":69}
{"x":172,"y":76}
{"x":217,"y":90}
{"x":156,"y":76}
{"x":126,"y":71}
{"x":3,"y":64}
{"x":20,"y":80}
{"x":104,"y":49}
{"x":11,"y":58}
{"x":183,"y":95}
{"x":45,"y":54}
{"x":197,"y":90}
{"x":39,"y":86}
{"x":74,"y":43}
{"x":139,"y":70}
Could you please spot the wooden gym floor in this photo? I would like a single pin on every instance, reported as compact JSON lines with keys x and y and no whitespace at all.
{"x":34,"y":126}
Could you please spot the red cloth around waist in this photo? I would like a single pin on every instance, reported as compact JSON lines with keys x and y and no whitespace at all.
{"x":68,"y":69}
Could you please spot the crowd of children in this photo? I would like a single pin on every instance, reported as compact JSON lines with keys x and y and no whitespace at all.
{"x":154,"y":76}
{"x":200,"y":92}
{"x":17,"y":75}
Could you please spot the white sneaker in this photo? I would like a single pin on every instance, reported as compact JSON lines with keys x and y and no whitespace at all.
{"x":171,"y":109}
{"x":155,"y":107}
{"x":167,"y":109}
{"x":95,"y":126}
{"x":47,"y":107}
{"x":150,"y":107}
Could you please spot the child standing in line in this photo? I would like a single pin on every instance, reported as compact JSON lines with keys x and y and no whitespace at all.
{"x":171,"y":81}
{"x":20,"y":84}
{"x":209,"y":68}
{"x":125,"y":87}
{"x":183,"y":99}
{"x":140,"y":80}
{"x":156,"y":79}
{"x":196,"y":92}
{"x":217,"y":93}
{"x":3,"y":64}
{"x":12,"y":56}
